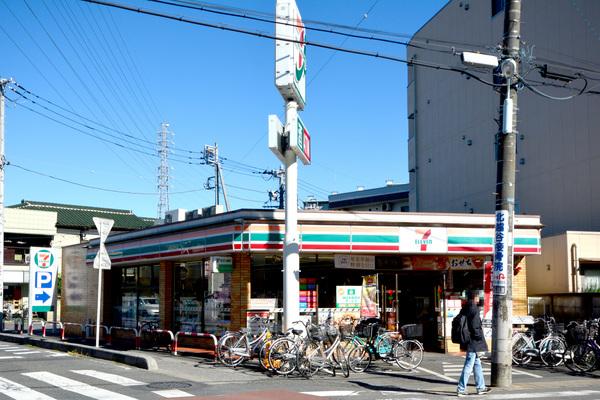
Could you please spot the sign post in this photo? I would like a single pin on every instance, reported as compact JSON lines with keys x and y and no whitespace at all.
{"x":290,"y":80}
{"x":101,"y":262}
{"x":43,"y":268}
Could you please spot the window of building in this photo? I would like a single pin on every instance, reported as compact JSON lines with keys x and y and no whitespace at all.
{"x":202,"y":297}
{"x":497,"y":6}
{"x":138,"y":299}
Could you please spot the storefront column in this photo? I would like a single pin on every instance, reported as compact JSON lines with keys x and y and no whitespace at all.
{"x":240,"y":290}
{"x":165,"y":284}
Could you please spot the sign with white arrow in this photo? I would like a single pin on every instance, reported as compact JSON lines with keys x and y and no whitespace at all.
{"x":43,"y":268}
{"x":102,"y":260}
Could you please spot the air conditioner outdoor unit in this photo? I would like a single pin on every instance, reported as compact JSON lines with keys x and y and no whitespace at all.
{"x":212,"y":210}
{"x":176,"y":215}
{"x":193,"y":214}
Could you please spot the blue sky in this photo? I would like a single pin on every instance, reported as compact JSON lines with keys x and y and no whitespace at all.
{"x":129,"y":72}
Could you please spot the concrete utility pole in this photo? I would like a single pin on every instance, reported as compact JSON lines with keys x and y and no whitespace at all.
{"x":3,"y":83}
{"x":505,"y":202}
{"x":291,"y":245}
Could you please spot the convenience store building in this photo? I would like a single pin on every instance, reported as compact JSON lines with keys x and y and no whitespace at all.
{"x":210,"y":274}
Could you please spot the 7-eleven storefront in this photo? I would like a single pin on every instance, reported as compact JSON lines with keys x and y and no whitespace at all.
{"x":210,"y":274}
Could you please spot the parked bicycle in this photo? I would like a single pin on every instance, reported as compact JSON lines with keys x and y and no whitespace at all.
{"x":322,"y":351}
{"x":542,"y":341}
{"x":370,"y":342}
{"x":583,"y":351}
{"x":236,"y":347}
{"x":152,"y":339}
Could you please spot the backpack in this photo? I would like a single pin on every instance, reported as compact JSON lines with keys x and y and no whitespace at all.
{"x":460,"y":330}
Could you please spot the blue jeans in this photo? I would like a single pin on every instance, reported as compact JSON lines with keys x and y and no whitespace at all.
{"x":472,"y":364}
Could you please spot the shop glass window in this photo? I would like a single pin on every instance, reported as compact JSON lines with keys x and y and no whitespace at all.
{"x":202,"y":298}
{"x":138,"y":300}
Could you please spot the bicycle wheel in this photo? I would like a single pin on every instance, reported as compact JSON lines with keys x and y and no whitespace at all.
{"x":520,"y":343}
{"x":408,"y":354}
{"x":552,"y":349}
{"x":340,"y":358}
{"x":359,"y":358}
{"x":282,"y":356}
{"x":585,"y":358}
{"x":308,"y":360}
{"x":231,"y":348}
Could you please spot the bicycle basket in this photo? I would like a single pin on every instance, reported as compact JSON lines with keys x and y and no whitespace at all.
{"x":368,"y":329}
{"x":317,"y":332}
{"x":346,"y":330}
{"x":576,"y":333}
{"x":411,"y":331}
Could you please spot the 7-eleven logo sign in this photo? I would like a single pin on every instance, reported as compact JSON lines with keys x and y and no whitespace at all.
{"x":423,"y":240}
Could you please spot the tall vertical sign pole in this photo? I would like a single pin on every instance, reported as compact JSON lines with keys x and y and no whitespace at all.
{"x":101,"y":262}
{"x":502,"y":274}
{"x":3,"y":83}
{"x":290,"y":142}
{"x":291,"y":249}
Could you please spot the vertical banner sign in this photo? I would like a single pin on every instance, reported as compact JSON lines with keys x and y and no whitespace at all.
{"x":43,"y":267}
{"x":500,"y":253}
{"x":368,"y":298}
{"x":290,"y":54}
{"x":300,"y":141}
{"x":488,"y":297}
{"x":101,"y":261}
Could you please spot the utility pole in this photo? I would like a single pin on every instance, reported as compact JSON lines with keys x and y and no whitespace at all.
{"x":3,"y":83}
{"x":211,"y":157}
{"x":505,"y":202}
{"x":280,"y":175}
{"x":163,"y":170}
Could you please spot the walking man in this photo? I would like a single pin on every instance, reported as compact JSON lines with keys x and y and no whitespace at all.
{"x":474,"y":347}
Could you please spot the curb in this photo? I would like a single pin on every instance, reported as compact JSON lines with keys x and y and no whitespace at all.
{"x":135,"y":360}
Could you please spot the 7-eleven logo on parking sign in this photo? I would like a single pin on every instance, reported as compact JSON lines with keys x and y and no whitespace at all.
{"x":43,"y":259}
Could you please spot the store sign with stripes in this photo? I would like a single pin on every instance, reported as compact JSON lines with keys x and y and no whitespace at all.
{"x":341,"y":239}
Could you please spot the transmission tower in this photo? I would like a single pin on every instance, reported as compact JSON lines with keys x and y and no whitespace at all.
{"x":164,"y":138}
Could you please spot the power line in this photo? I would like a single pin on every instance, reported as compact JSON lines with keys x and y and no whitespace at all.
{"x":307,"y":43}
{"x":91,"y":186}
{"x":98,"y":123}
{"x":270,"y":18}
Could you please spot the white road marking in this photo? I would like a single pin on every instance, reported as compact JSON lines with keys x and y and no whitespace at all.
{"x":332,"y":393}
{"x":112,"y":378}
{"x":74,"y":386}
{"x":20,"y":392}
{"x":9,"y":357}
{"x":444,"y":377}
{"x":59,"y":355}
{"x":28,"y":352}
{"x":12,"y":349}
{"x":552,"y":395}
{"x":172,"y":393}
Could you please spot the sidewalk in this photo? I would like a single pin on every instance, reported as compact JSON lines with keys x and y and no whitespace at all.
{"x":436,"y":374}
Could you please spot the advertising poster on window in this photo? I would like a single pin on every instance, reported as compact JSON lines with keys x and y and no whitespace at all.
{"x":368,"y":298}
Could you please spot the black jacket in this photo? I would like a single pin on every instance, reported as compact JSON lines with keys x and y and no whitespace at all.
{"x":477,"y":343}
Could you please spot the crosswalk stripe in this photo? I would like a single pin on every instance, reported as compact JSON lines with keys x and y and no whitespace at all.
{"x":60,"y":355}
{"x":9,"y":357}
{"x":11,"y":349}
{"x":20,"y":392}
{"x":332,"y":393}
{"x":72,"y":385}
{"x":172,"y":393}
{"x":28,"y":352}
{"x":551,"y":395}
{"x":116,"y":379}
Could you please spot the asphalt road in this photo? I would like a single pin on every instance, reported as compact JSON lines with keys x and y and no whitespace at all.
{"x":31,"y":373}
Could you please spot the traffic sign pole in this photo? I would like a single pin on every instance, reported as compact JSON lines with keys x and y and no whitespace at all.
{"x":101,"y":261}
